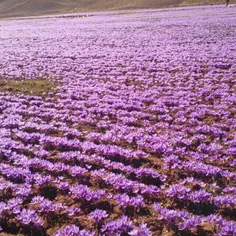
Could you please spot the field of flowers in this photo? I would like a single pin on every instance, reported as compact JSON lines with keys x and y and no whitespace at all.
{"x":119,"y":123}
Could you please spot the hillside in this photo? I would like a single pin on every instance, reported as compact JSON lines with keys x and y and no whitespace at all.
{"x":9,"y":8}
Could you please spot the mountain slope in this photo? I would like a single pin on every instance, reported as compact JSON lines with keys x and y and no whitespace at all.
{"x":39,"y":7}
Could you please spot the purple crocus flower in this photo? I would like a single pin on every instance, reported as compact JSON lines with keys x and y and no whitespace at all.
{"x":73,"y":230}
{"x":98,"y":215}
{"x":141,"y":230}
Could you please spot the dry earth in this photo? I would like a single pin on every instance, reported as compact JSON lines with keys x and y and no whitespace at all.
{"x":11,"y":8}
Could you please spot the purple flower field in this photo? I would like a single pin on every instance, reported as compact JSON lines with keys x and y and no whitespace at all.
{"x":137,"y":134}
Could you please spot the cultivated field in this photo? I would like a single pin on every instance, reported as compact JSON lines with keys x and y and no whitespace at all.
{"x":119,"y":123}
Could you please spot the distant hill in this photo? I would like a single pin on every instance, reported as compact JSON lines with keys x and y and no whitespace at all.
{"x":9,"y":8}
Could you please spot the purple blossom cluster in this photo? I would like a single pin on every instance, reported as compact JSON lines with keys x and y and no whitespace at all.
{"x":138,"y":138}
{"x":125,"y":201}
{"x":27,"y":217}
{"x":73,"y":230}
{"x":98,"y":215}
{"x":184,"y":220}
